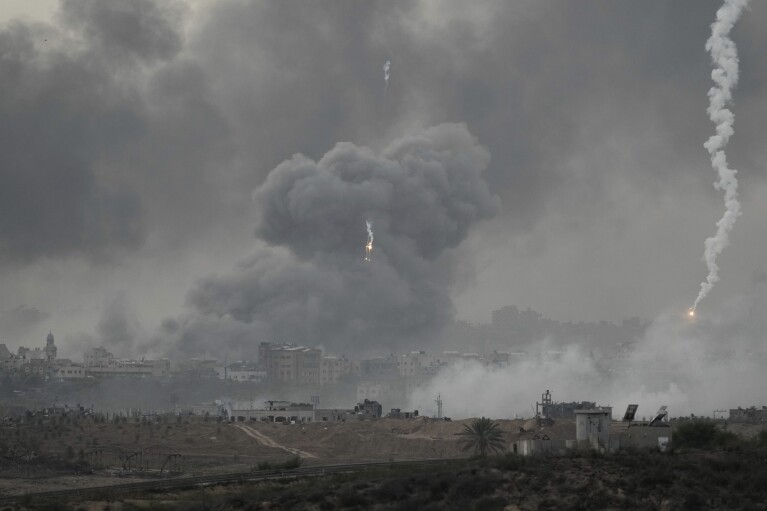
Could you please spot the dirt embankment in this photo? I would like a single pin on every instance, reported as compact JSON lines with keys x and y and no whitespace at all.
{"x":394,"y":438}
{"x":199,"y":446}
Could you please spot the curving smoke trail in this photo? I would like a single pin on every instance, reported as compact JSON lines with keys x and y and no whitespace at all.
{"x":386,"y":68}
{"x":725,"y":75}
{"x":369,"y":245}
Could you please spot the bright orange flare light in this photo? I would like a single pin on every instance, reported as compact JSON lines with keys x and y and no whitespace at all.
{"x":691,"y":313}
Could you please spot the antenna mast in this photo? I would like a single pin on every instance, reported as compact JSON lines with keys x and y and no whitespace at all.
{"x":439,"y":406}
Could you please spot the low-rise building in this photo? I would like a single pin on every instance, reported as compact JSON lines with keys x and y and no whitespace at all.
{"x":371,"y":409}
{"x":7,"y":359}
{"x":595,"y":430}
{"x":132,"y":368}
{"x":592,"y":428}
{"x":98,"y":356}
{"x":36,"y":361}
{"x":242,"y":372}
{"x":752,"y":415}
{"x":65,"y":369}
{"x":641,"y":435}
{"x":271,"y":411}
{"x":335,"y":415}
{"x":376,"y":390}
{"x":396,"y":413}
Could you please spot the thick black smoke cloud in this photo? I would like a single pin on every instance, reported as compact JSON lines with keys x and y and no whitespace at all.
{"x":102,"y":118}
{"x":54,"y":110}
{"x":312,"y":285}
{"x":136,"y":29}
{"x":20,"y":320}
{"x":118,"y":327}
{"x":132,"y":132}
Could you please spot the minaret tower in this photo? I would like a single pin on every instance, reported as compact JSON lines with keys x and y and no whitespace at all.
{"x":50,"y":348}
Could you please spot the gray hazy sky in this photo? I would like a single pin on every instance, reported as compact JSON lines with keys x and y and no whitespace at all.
{"x":137,"y":138}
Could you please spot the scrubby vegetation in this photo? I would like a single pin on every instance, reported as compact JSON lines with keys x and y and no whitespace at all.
{"x":293,"y":462}
{"x":704,"y":434}
{"x":629,"y":480}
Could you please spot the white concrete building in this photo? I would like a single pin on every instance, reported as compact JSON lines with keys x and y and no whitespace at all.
{"x":243,"y":372}
{"x":67,"y":370}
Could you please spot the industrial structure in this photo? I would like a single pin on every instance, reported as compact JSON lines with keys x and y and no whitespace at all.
{"x":595,"y":430}
{"x":547,"y":410}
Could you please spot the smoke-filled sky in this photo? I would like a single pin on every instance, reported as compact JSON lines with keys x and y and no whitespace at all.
{"x":191,"y":174}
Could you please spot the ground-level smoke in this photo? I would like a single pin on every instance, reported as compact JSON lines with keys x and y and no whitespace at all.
{"x":725,"y":75}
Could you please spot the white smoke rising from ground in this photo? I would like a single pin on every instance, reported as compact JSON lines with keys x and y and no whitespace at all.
{"x":725,"y":75}
{"x":692,"y":367}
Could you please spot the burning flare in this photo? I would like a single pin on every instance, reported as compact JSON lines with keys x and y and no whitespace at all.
{"x":369,"y":245}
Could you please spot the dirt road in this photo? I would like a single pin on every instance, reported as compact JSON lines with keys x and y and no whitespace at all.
{"x":265,"y":440}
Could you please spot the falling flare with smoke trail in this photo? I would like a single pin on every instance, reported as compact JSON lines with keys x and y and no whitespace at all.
{"x":386,"y":68}
{"x":724,"y":56}
{"x":369,"y":244}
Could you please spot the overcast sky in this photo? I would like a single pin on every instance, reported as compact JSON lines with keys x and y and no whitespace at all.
{"x":539,"y":153}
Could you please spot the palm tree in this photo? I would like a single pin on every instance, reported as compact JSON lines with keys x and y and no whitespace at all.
{"x":482,"y":435}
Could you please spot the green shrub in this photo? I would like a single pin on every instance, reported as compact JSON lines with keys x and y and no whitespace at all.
{"x":703,"y":434}
{"x":294,"y":462}
{"x":472,"y":487}
{"x":351,"y":499}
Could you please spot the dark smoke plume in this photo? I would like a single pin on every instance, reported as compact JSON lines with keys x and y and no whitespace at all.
{"x":312,"y":284}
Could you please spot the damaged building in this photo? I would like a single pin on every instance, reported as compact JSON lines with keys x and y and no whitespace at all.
{"x":752,"y":415}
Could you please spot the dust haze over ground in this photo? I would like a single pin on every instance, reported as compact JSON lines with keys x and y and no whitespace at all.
{"x":145,"y":143}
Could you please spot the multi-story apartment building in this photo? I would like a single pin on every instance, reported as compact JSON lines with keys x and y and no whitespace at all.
{"x":379,"y":367}
{"x":290,"y":363}
{"x":334,"y":368}
{"x":410,"y":364}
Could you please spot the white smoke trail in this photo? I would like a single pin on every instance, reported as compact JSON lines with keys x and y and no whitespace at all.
{"x":369,"y":245}
{"x":724,"y":56}
{"x":386,"y":68}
